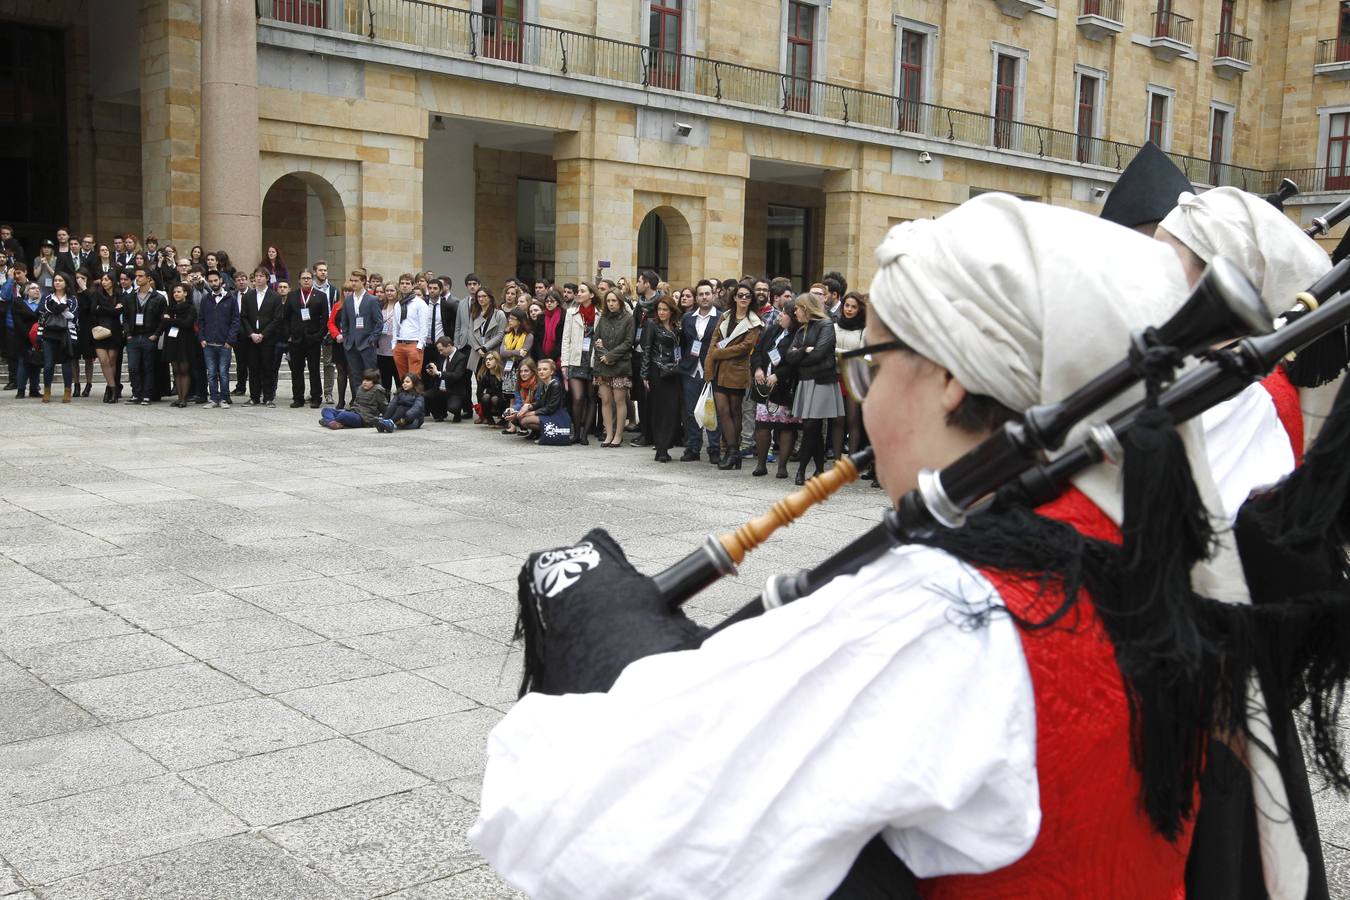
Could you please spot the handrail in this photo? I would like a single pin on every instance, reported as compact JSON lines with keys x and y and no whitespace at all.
{"x":498,"y":40}
{"x":1229,"y":45}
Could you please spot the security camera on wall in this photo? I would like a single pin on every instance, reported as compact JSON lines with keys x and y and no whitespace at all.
{"x":925,"y":157}
{"x":683,"y":129}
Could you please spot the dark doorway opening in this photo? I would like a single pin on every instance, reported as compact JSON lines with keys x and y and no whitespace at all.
{"x":34,"y":188}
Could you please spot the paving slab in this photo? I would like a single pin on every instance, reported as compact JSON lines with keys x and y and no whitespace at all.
{"x":60,"y":627}
{"x":479,"y":883}
{"x":442,"y":748}
{"x":275,"y":671}
{"x":98,"y":657}
{"x":192,"y":738}
{"x":364,"y":704}
{"x":387,"y":844}
{"x":362,"y":617}
{"x":425,"y":645}
{"x":59,"y":765}
{"x":31,"y":712}
{"x":147,"y":693}
{"x":243,"y":867}
{"x":253,"y":634}
{"x":301,"y":781}
{"x":58,"y":838}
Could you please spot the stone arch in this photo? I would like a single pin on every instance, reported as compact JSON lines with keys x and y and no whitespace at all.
{"x":310,"y":209}
{"x":676,"y":240}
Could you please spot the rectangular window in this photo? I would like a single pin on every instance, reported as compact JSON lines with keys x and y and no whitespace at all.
{"x":1338,"y":152}
{"x":1158,"y":108}
{"x":1087,"y":118}
{"x":1218,"y":144}
{"x":1005,"y":99}
{"x":1163,"y":19}
{"x":1343,"y":33}
{"x":913,"y":45}
{"x":801,"y":40}
{"x":666,"y":34}
{"x":503,"y":29}
{"x":536,"y":227}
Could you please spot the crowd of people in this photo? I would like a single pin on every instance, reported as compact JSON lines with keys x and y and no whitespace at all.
{"x":744,"y":365}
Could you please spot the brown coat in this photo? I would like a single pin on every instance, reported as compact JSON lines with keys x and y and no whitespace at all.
{"x":729,"y":366}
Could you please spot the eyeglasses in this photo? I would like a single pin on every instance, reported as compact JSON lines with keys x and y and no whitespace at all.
{"x":859,"y":366}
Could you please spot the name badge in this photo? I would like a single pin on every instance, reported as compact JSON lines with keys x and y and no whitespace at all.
{"x":637,"y":336}
{"x":360,"y":322}
{"x":510,"y":364}
{"x":695,"y":347}
{"x":304,"y":314}
{"x":585,"y":345}
{"x":173,"y":331}
{"x":775,"y":357}
{"x":722,"y":344}
{"x":140,"y":319}
{"x":677,"y":354}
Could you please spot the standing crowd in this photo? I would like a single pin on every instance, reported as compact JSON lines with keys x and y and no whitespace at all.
{"x":745,"y":365}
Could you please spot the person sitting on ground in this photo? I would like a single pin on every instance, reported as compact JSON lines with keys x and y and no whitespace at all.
{"x":369,"y":401}
{"x":549,"y":420}
{"x":527,"y":389}
{"x":407,"y":409}
{"x":491,"y":400}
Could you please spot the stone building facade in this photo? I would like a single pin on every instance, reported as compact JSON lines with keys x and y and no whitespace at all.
{"x":543,"y":138}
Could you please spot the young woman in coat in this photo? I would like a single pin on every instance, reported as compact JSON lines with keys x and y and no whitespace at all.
{"x":817,"y":398}
{"x":549,"y":418}
{"x":180,"y":319}
{"x":59,"y":317}
{"x":727,"y":367}
{"x":487,"y":327}
{"x":661,"y":378}
{"x":578,"y":354}
{"x":848,"y":335}
{"x":775,"y":385}
{"x":614,"y":366}
{"x":107,"y":314}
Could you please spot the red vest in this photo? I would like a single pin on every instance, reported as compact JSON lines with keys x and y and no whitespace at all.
{"x":1095,"y":840}
{"x":1287,"y":407}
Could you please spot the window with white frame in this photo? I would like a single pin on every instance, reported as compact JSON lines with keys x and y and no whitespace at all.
{"x":1008,"y":96}
{"x":1158,"y":115}
{"x":1090,"y":94}
{"x":670,"y":34}
{"x":915,"y":50}
{"x":1333,"y":148}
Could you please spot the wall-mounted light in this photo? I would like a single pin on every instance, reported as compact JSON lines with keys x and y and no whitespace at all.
{"x":437,"y":123}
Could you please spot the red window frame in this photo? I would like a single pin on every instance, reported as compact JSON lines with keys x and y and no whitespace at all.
{"x":1164,"y":23}
{"x":503,"y":34}
{"x":1087,"y":115}
{"x":1218,"y":126}
{"x":1005,"y":99}
{"x":313,"y":13}
{"x":1343,"y":33}
{"x":801,"y":47}
{"x":1157,"y":118}
{"x":1338,"y":148}
{"x":665,"y":71}
{"x":912,"y":47}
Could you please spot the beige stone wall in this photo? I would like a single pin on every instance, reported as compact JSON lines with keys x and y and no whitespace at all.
{"x":170,"y":57}
{"x":497,"y":174}
{"x":117,"y":170}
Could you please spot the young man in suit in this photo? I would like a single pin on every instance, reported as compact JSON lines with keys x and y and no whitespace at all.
{"x":359,"y":327}
{"x":698,"y":328}
{"x":241,"y":352}
{"x":260,"y":324}
{"x":306,"y":327}
{"x":330,"y":293}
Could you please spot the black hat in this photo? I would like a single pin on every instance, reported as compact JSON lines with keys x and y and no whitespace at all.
{"x":1147,"y":190}
{"x":47,"y":242}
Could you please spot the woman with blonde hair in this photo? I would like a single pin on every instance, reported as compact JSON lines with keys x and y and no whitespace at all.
{"x":817,"y":398}
{"x":614,"y":366}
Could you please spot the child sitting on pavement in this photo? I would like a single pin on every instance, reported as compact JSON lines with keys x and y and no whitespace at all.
{"x":406,"y":409}
{"x":365,"y":408}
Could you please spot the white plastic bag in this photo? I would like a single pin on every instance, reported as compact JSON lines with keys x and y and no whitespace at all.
{"x":705,"y":411}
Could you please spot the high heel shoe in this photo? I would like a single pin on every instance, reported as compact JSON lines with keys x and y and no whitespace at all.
{"x":729,"y":461}
{"x":87,"y":386}
{"x":800,"y":479}
{"x":107,"y":395}
{"x":760,"y":470}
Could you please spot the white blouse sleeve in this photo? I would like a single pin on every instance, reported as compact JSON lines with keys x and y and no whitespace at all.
{"x":760,"y":764}
{"x":1247,"y":446}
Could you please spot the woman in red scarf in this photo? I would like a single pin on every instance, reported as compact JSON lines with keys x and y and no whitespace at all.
{"x":548,"y":329}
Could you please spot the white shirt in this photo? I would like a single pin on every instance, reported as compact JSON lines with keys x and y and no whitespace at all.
{"x":701,"y":320}
{"x":410,"y":316}
{"x":1247,"y":446}
{"x":693,"y":776}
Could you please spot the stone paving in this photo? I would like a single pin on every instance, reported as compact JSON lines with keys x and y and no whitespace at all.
{"x":242,"y":657}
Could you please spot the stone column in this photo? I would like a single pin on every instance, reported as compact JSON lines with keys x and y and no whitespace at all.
{"x":231,"y":193}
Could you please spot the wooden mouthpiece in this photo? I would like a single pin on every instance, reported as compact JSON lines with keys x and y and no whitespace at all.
{"x":788,"y":510}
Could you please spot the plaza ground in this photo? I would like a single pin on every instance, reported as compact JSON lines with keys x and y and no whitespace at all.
{"x":243,"y":657}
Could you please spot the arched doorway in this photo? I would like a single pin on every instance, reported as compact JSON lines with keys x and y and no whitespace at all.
{"x":665,"y":244}
{"x":303,"y":216}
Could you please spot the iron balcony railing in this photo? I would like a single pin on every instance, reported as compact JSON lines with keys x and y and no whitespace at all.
{"x":1232,"y":46}
{"x":1107,"y":9}
{"x":1325,"y":180}
{"x":460,"y":32}
{"x":1172,"y":26}
{"x":1333,"y":50}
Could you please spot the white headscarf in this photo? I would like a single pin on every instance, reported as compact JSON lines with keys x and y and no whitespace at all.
{"x":1264,"y":243}
{"x":1025,"y":303}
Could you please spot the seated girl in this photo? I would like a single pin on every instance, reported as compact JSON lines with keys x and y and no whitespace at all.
{"x":491,"y":399}
{"x":549,"y":420}
{"x":527,"y":389}
{"x":406,"y":408}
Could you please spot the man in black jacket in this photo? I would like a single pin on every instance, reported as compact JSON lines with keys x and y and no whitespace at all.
{"x":306,"y":325}
{"x":698,"y":329}
{"x":144,"y":318}
{"x":260,"y":321}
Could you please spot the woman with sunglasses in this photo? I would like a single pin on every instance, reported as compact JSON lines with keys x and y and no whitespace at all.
{"x":727,"y":367}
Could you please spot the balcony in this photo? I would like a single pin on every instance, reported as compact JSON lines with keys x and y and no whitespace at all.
{"x":1100,"y":19}
{"x":1019,"y":8}
{"x":1171,"y":35}
{"x":506,"y":50}
{"x":1232,"y":54}
{"x":1333,"y":58}
{"x":1325,"y":180}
